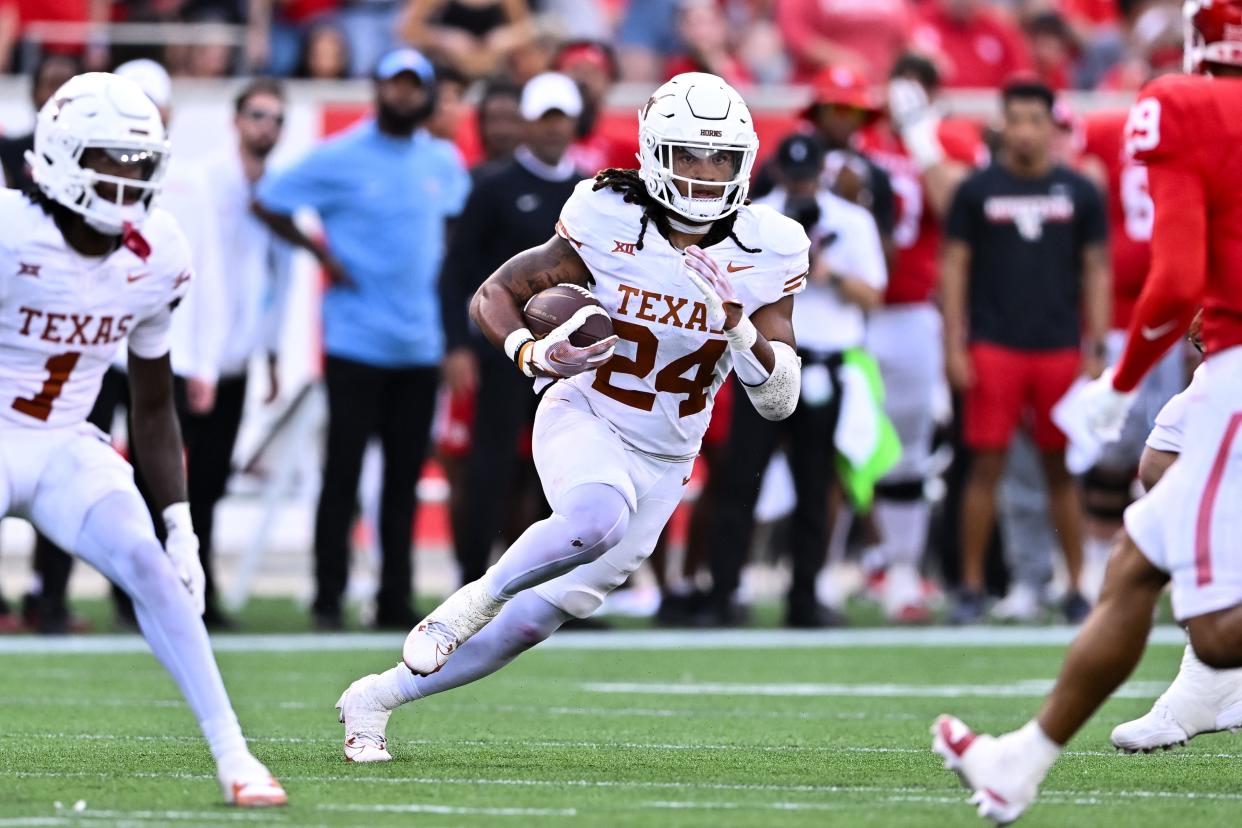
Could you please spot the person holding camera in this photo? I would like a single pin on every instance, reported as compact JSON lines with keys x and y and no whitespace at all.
{"x":847,"y":279}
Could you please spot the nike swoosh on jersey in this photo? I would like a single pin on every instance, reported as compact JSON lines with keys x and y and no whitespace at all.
{"x":735,"y":268}
{"x":134,"y":277}
{"x":1152,"y":334}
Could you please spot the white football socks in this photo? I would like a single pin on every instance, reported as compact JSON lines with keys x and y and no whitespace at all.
{"x":523,"y":623}
{"x":1031,"y":749}
{"x":118,"y":539}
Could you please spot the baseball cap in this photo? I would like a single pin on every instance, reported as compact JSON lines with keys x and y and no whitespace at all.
{"x":405,"y":60}
{"x":550,"y":91}
{"x":800,"y":157}
{"x":151,"y":77}
{"x":841,"y":86}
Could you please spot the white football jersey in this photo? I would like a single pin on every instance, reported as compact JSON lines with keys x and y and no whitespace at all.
{"x":63,"y":315}
{"x":657,"y":392}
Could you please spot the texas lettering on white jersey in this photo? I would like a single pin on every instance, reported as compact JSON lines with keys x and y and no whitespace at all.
{"x":657,"y":392}
{"x":64,"y":315}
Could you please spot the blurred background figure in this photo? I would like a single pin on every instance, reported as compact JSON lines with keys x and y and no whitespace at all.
{"x":52,"y":70}
{"x":511,"y":209}
{"x":594,"y":67}
{"x":704,"y":34}
{"x":476,"y":36}
{"x":325,"y":53}
{"x":847,"y":279}
{"x":1026,"y":299}
{"x":865,"y":37}
{"x":386,"y":178}
{"x":449,"y":117}
{"x":254,"y":288}
{"x":925,"y":156}
{"x":972,"y":43}
{"x":278,"y":31}
{"x":499,"y":123}
{"x":646,"y":39}
{"x":371,"y":30}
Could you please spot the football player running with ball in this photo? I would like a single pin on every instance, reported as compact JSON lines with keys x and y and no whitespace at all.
{"x":85,"y":262}
{"x":698,"y":283}
{"x":1185,"y":531}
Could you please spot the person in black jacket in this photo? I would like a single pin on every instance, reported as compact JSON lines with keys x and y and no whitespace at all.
{"x":512,"y":207}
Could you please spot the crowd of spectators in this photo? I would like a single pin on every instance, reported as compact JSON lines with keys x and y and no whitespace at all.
{"x":1069,"y":44}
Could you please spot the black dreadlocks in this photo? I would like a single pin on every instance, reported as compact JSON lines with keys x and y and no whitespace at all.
{"x":634,"y":191}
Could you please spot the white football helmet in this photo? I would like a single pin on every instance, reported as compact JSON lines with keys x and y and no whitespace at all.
{"x":702,"y":113}
{"x":98,"y":110}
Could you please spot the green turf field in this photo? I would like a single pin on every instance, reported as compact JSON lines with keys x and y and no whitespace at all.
{"x":762,"y":735}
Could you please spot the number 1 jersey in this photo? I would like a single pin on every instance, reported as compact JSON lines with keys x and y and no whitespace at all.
{"x":657,"y":392}
{"x":63,"y":315}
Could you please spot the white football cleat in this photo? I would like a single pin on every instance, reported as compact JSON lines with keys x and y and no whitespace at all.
{"x":428,"y":647}
{"x":994,"y":779}
{"x":247,"y":783}
{"x":365,"y":720}
{"x":1200,"y":700}
{"x":453,"y":623}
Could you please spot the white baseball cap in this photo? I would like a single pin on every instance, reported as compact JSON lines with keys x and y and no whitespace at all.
{"x":547,"y":92}
{"x":151,"y":77}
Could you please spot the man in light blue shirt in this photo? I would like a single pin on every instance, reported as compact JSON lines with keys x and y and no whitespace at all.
{"x":383,"y":191}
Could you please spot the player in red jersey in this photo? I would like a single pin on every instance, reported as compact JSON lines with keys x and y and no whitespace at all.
{"x":926,"y":157}
{"x":1185,"y":129}
{"x":1107,"y":486}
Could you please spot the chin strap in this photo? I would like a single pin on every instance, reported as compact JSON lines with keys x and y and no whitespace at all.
{"x":687,"y":227}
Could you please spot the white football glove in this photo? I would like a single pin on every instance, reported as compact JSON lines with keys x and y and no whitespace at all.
{"x":555,"y":357}
{"x":181,"y":545}
{"x":713,"y":283}
{"x":1106,"y":407}
{"x":916,"y":120}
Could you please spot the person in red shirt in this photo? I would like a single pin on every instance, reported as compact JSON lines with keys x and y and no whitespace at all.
{"x":974,"y":46}
{"x":925,"y":158}
{"x":1185,"y":129}
{"x":705,"y":40}
{"x":594,"y":67}
{"x":864,"y":35}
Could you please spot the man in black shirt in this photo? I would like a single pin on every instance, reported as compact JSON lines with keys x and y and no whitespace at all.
{"x":512,"y":208}
{"x":1025,"y":274}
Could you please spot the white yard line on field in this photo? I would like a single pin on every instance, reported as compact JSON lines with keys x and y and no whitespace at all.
{"x":448,"y":810}
{"x":895,"y":791}
{"x":526,"y":744}
{"x":1026,"y":688}
{"x":605,"y":640}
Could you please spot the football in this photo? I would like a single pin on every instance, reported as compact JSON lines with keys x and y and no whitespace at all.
{"x":549,"y":308}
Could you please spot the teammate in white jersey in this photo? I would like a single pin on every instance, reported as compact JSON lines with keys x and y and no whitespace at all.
{"x":84,"y":263}
{"x":698,"y":284}
{"x":1201,"y":699}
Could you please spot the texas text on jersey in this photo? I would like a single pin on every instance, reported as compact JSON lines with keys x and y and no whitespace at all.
{"x":657,"y":391}
{"x":63,"y":315}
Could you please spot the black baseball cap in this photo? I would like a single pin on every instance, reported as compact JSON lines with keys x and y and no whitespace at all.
{"x":800,"y":157}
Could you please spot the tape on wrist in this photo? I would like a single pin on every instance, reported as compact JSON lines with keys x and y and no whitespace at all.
{"x":743,"y":335}
{"x":515,"y":342}
{"x":177,"y":518}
